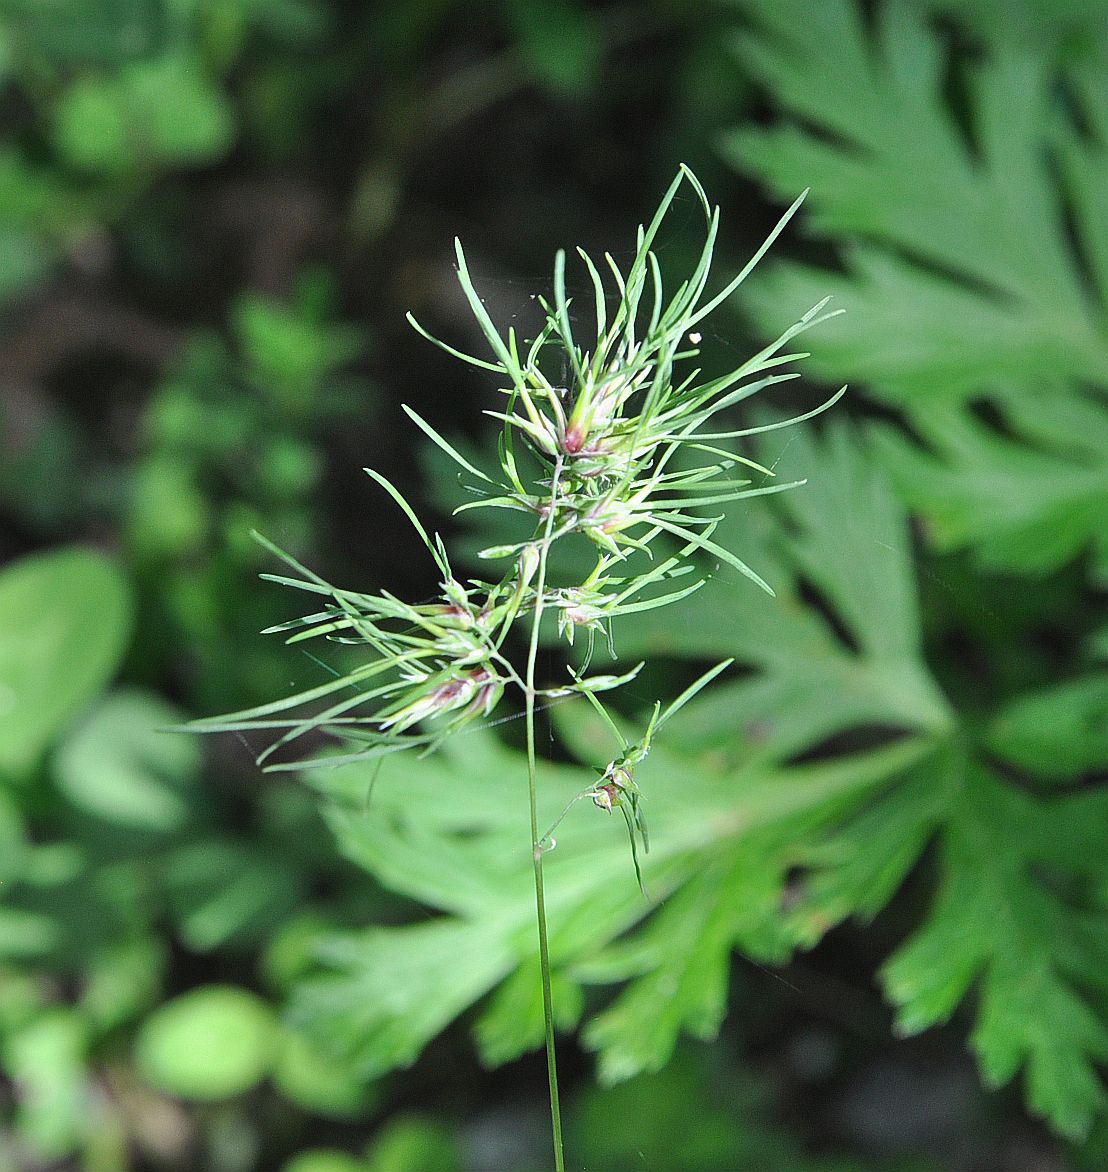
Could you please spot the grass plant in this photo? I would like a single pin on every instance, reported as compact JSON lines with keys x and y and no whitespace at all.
{"x":628,"y":458}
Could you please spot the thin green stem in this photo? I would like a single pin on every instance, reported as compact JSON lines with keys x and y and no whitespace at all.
{"x":536,"y":842}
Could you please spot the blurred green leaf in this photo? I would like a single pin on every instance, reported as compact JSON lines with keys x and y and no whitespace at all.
{"x":213,"y":1042}
{"x":65,"y":620}
{"x":1069,"y":23}
{"x":288,"y":469}
{"x":181,"y":117}
{"x":122,"y":981}
{"x":320,"y":1084}
{"x":169,"y":516}
{"x":26,"y":934}
{"x":857,"y":867}
{"x":122,"y":764}
{"x":80,"y":903}
{"x":159,"y":112}
{"x":413,"y":1144}
{"x":36,"y":199}
{"x":13,"y":840}
{"x":512,"y":1022}
{"x":441,"y":830}
{"x":21,"y":999}
{"x":221,"y":891}
{"x":965,"y":285}
{"x":971,"y":225}
{"x":855,"y":662}
{"x":998,"y":920}
{"x":45,"y":1058}
{"x":92,"y":130}
{"x":1059,"y":732}
{"x":1018,"y":508}
{"x":289,"y":353}
{"x":685,"y":954}
{"x":393,"y":990}
{"x":323,"y":1160}
{"x":289,"y":953}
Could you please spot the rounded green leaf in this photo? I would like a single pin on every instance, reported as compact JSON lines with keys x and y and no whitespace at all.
{"x":65,"y":621}
{"x":211,"y":1043}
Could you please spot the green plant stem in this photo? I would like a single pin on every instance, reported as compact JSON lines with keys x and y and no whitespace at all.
{"x":536,"y":843}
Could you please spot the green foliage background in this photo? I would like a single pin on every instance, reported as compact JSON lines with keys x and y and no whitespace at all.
{"x":878,"y":929}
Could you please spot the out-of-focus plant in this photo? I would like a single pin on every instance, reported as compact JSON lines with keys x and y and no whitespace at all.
{"x":116,"y":98}
{"x":67,"y":905}
{"x":975,"y":256}
{"x":111,"y":848}
{"x":231,"y":442}
{"x":971,"y":231}
{"x":619,"y":458}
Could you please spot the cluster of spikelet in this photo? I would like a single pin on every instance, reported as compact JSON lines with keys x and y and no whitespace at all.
{"x":623,"y":456}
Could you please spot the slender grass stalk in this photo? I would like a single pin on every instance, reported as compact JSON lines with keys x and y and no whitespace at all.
{"x":536,"y":841}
